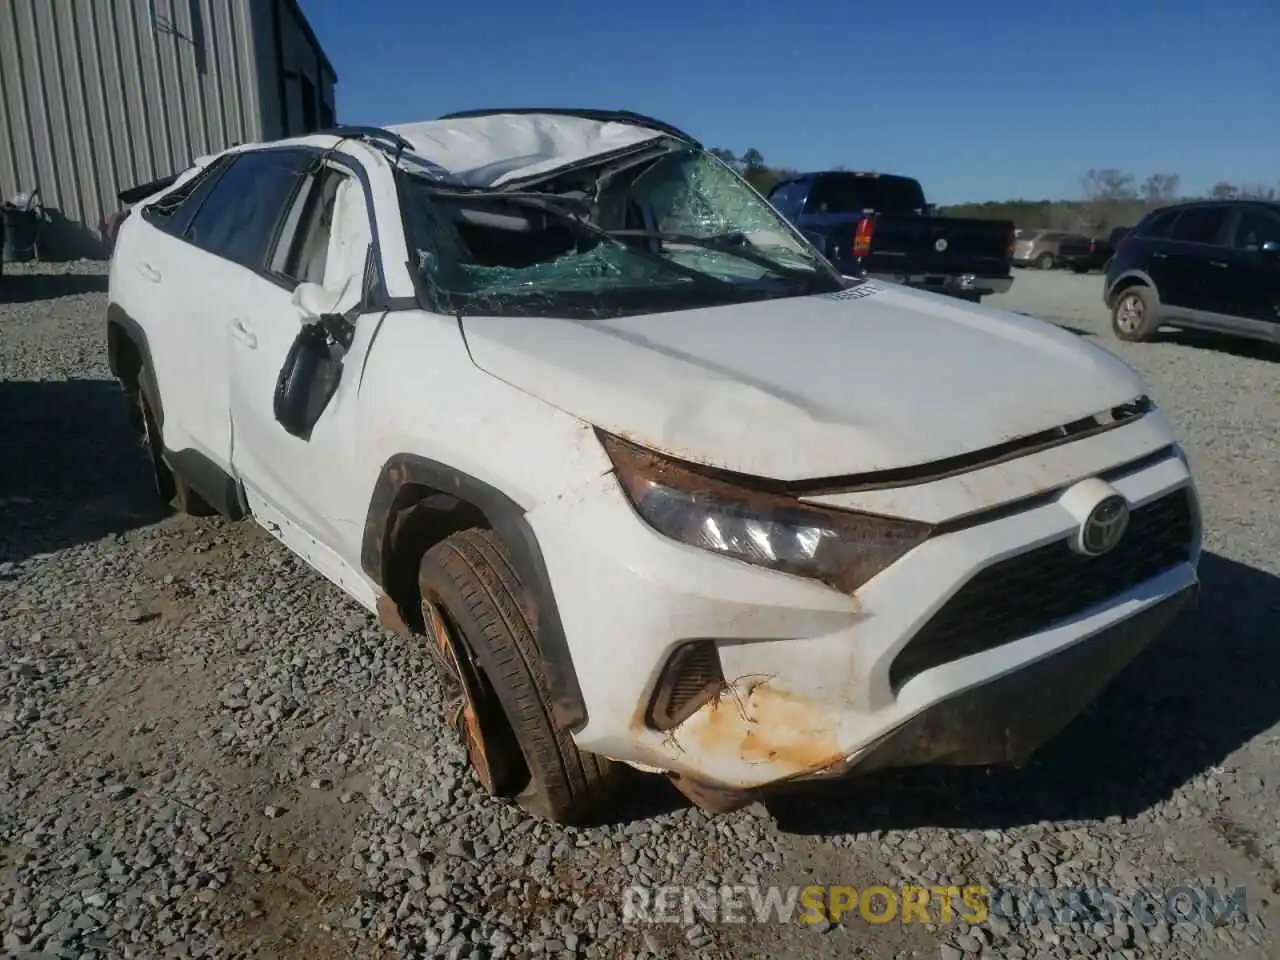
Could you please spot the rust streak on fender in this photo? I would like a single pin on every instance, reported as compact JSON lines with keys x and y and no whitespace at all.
{"x":762,"y":723}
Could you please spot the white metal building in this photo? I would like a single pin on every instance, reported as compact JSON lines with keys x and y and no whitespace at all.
{"x":99,"y":95}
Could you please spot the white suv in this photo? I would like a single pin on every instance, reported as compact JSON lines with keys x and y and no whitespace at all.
{"x":561,"y":392}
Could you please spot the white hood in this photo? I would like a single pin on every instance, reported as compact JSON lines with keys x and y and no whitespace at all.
{"x":490,"y":150}
{"x":875,"y":378}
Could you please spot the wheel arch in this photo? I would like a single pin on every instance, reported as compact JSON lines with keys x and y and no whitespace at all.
{"x":417,"y":502}
{"x":1130,"y":278}
{"x":129,"y":357}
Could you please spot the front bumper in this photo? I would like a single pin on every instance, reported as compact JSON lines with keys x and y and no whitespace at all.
{"x":1006,"y":720}
{"x":951,"y":284}
{"x":808,"y":690}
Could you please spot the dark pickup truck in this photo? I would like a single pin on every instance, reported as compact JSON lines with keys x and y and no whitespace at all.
{"x":879,"y":225}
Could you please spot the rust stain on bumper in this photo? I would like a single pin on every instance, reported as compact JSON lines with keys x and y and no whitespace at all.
{"x":759,"y":723}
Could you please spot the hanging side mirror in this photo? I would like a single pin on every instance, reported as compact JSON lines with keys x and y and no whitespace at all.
{"x":312,"y":368}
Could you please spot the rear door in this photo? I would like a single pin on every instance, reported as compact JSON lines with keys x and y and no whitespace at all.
{"x":233,"y":229}
{"x":1197,"y":257}
{"x":1251,"y":285}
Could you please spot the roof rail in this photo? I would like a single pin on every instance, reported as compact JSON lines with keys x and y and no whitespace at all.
{"x":605,"y":116}
{"x":375,"y":134}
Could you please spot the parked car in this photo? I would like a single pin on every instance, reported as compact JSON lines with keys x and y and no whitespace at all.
{"x":1040,"y":248}
{"x":1084,"y":254}
{"x":1211,"y":265}
{"x":880,"y":226}
{"x":561,"y":393}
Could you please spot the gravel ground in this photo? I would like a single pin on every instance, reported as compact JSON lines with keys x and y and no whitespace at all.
{"x":207,"y":750}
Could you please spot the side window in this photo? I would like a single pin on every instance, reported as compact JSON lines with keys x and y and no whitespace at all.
{"x":1160,"y":225}
{"x":1200,"y":225}
{"x":331,"y":241}
{"x":1255,"y":228}
{"x":173,"y":212}
{"x":239,"y":217}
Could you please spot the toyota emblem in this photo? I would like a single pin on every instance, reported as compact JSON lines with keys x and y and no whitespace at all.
{"x":941,"y":244}
{"x":1104,"y":527}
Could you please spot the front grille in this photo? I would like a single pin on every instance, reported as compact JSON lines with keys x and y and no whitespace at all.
{"x":1034,"y":591}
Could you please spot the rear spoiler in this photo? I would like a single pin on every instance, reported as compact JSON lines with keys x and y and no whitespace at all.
{"x":144,"y":190}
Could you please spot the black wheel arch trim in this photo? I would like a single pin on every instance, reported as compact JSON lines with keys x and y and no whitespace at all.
{"x":134,"y":335}
{"x":508,"y":520}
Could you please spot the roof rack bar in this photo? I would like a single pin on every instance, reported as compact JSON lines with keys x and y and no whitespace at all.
{"x":615,"y":116}
{"x":368,"y":133}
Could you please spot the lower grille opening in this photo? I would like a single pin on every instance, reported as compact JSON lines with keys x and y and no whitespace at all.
{"x":692,"y":676}
{"x":1034,"y":591}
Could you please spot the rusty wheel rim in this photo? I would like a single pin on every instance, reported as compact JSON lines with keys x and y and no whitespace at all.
{"x":461,"y":711}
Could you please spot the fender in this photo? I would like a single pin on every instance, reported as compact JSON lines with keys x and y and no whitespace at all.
{"x":507,"y":518}
{"x":220,"y":490}
{"x":1134,"y":274}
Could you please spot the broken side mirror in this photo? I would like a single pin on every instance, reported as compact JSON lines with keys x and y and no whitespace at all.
{"x":313,"y":366}
{"x":307,"y":381}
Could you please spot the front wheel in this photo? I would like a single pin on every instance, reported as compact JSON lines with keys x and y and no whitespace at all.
{"x":1134,"y":318}
{"x":484,"y":646}
{"x":1045,"y":261}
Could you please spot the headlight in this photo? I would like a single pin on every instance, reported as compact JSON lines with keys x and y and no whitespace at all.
{"x":769,"y":529}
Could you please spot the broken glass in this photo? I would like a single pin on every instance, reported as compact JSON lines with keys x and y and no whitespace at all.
{"x":679,"y":223}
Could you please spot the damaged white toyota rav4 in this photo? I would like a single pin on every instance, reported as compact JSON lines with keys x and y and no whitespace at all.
{"x":559,"y":391}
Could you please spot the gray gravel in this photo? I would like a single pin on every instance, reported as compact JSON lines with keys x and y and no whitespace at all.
{"x":206,"y":750}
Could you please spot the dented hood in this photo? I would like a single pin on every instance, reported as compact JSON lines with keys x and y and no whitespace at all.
{"x":873,"y":378}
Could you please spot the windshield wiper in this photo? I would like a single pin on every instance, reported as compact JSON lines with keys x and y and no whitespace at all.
{"x":734,"y":243}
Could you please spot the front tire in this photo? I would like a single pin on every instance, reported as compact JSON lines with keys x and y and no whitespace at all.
{"x":1134,"y":317}
{"x":485,"y":648}
{"x":1045,"y":261}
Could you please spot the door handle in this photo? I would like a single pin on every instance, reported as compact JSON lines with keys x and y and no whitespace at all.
{"x":243,"y":334}
{"x":1157,"y":255}
{"x":1218,"y":263}
{"x":150,"y":272}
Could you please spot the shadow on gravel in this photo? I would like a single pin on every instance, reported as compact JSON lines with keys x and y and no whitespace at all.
{"x":1205,"y":688}
{"x":1221,"y":343}
{"x":29,"y":287}
{"x":71,"y":468}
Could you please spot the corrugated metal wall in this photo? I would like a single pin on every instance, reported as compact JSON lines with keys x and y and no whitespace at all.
{"x":97,"y":95}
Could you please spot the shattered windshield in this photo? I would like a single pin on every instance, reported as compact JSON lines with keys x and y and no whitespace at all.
{"x":662,"y":231}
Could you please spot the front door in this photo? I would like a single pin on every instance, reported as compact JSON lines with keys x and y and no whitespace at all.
{"x":303,"y":482}
{"x":1195,"y":252}
{"x":1253,"y":290}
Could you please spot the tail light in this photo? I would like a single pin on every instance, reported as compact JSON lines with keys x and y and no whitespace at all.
{"x":1093,"y":246}
{"x":1013,"y":242}
{"x":862,"y":236}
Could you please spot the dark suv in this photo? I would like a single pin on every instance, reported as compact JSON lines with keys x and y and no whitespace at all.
{"x":1211,"y":265}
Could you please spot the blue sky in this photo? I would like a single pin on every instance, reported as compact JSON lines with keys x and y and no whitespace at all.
{"x":979,"y":100}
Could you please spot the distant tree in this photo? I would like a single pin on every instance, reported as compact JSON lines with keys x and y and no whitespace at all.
{"x":1256,"y":191}
{"x":752,"y":159}
{"x":1160,"y":187}
{"x":1108,"y":183}
{"x":728,"y":156}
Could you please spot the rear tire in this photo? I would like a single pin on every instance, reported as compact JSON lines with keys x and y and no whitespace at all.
{"x":502,"y":711}
{"x":1045,"y":261}
{"x":1079,"y":268}
{"x":1134,"y":317}
{"x":173,"y":490}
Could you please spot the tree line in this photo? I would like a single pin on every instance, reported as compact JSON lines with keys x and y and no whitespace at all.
{"x":1109,"y":197}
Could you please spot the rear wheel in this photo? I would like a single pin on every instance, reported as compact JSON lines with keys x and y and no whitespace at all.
{"x":1079,"y":268}
{"x":173,"y":490}
{"x":483,"y":643}
{"x":1045,"y":261}
{"x":1133,"y":317}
